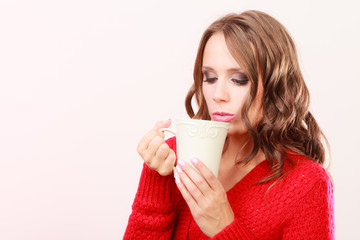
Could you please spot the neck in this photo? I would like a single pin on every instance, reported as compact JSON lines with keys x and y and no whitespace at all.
{"x":231,"y":173}
{"x":240,"y":147}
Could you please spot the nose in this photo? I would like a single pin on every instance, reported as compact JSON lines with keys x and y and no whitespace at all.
{"x":221,"y":93}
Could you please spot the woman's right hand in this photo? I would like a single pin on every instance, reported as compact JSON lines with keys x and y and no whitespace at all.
{"x":155,"y":152}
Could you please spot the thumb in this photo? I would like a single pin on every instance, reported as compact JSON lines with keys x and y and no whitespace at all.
{"x":163,"y":124}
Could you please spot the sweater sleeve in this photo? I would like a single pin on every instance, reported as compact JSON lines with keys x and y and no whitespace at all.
{"x":153,"y":209}
{"x":234,"y":231}
{"x":313,"y":217}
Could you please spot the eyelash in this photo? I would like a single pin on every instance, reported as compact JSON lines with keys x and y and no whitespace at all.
{"x":240,"y":81}
{"x":210,"y":80}
{"x":236,"y":81}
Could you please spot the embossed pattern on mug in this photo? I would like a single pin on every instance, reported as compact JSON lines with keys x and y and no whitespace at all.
{"x":203,"y":130}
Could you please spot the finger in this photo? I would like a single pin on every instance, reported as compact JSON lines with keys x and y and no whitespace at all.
{"x":150,"y":153}
{"x":146,"y":139}
{"x":162,"y":124}
{"x":191,"y":187}
{"x":207,"y":174}
{"x":163,"y":151}
{"x":196,"y":178}
{"x":185,"y":193}
{"x":170,"y":161}
{"x":160,"y":158}
{"x":144,"y":142}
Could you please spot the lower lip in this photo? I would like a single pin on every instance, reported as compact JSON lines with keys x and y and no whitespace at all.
{"x":220,"y":118}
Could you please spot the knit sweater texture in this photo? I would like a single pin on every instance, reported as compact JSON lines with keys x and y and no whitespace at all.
{"x":299,"y":206}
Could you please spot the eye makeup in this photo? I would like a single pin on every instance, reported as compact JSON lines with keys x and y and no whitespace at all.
{"x":209,"y":77}
{"x":237,"y":78}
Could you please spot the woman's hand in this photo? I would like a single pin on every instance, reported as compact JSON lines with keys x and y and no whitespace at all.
{"x":205,"y":197}
{"x":155,"y":152}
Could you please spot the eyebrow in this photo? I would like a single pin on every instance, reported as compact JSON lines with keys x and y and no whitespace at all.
{"x":228,"y":70}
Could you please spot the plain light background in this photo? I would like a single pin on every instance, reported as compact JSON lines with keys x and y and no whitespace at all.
{"x":82,"y":81}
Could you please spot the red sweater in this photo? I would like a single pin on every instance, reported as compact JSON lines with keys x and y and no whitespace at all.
{"x":299,"y":206}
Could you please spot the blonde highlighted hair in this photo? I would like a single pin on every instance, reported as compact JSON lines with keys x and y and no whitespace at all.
{"x":267,"y":53}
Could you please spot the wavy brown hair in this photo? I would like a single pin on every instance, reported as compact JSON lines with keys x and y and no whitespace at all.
{"x":267,"y":53}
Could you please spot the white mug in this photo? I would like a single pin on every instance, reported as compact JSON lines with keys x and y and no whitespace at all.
{"x":202,"y":139}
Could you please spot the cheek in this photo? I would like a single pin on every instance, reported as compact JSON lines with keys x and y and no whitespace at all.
{"x":239,"y":100}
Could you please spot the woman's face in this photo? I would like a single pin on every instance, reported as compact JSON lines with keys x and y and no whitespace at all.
{"x":226,"y":87}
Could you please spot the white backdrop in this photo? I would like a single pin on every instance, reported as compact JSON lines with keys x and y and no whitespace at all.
{"x":81,"y":81}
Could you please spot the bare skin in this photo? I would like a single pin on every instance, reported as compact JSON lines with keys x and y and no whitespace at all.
{"x":155,"y":152}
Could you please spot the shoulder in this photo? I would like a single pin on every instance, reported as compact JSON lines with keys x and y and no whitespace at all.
{"x":305,"y":174}
{"x":304,"y":180}
{"x":307,"y":168}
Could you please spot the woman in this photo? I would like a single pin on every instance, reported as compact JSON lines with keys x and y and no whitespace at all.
{"x":271,"y":182}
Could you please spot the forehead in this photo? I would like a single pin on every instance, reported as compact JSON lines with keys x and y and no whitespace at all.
{"x":217,"y":55}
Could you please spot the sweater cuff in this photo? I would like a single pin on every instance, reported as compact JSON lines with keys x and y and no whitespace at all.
{"x":235,"y":230}
{"x":155,"y":190}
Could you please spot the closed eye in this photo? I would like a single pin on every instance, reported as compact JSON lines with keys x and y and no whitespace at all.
{"x":240,"y":81}
{"x":209,"y":76}
{"x":210,"y":80}
{"x":239,"y":78}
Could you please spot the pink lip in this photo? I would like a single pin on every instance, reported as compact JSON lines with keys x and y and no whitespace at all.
{"x":222,"y":116}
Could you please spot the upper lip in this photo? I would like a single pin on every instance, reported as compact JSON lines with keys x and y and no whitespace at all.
{"x":222,"y":113}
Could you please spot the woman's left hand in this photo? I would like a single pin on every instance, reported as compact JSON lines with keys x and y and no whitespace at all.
{"x":205,"y":197}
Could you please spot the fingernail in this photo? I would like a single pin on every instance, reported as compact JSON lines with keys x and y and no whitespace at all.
{"x":181,"y":163}
{"x":194,"y":160}
{"x":178,"y":169}
{"x":177,"y":180}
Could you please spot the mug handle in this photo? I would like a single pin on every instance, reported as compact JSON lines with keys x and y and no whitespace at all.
{"x":168,"y":130}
